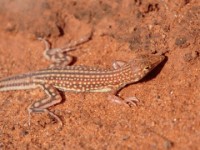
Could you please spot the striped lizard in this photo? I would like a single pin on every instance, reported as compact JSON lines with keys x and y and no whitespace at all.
{"x":80,"y":79}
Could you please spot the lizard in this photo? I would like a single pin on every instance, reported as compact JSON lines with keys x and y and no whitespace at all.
{"x":74,"y":78}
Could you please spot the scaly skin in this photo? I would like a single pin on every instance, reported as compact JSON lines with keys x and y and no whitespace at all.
{"x":81,"y":79}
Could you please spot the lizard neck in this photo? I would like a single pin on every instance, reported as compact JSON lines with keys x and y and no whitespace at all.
{"x":124,"y":75}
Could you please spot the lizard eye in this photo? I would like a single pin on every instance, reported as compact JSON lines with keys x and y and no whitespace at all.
{"x":147,"y":68}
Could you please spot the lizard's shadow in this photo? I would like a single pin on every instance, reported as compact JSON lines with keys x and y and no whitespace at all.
{"x":74,"y":59}
{"x":62,"y":94}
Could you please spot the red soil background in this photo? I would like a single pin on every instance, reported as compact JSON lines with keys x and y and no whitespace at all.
{"x":167,"y":116}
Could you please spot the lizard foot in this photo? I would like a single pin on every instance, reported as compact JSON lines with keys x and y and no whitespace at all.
{"x":131,"y":101}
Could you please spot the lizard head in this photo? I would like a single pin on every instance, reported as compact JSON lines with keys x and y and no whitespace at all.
{"x":141,"y":65}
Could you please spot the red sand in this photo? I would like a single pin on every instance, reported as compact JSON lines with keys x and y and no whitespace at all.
{"x":167,"y":115}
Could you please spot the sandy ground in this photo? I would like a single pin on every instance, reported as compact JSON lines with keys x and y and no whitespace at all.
{"x":167,"y":116}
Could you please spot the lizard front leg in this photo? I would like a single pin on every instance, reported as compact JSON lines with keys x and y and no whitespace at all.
{"x":131,"y":101}
{"x":118,"y":64}
{"x":114,"y":94}
{"x":53,"y":97}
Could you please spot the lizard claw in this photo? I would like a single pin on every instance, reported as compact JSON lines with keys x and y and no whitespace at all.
{"x":131,"y":101}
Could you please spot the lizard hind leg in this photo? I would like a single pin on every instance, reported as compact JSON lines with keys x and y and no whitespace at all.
{"x":53,"y":97}
{"x":57,"y":55}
